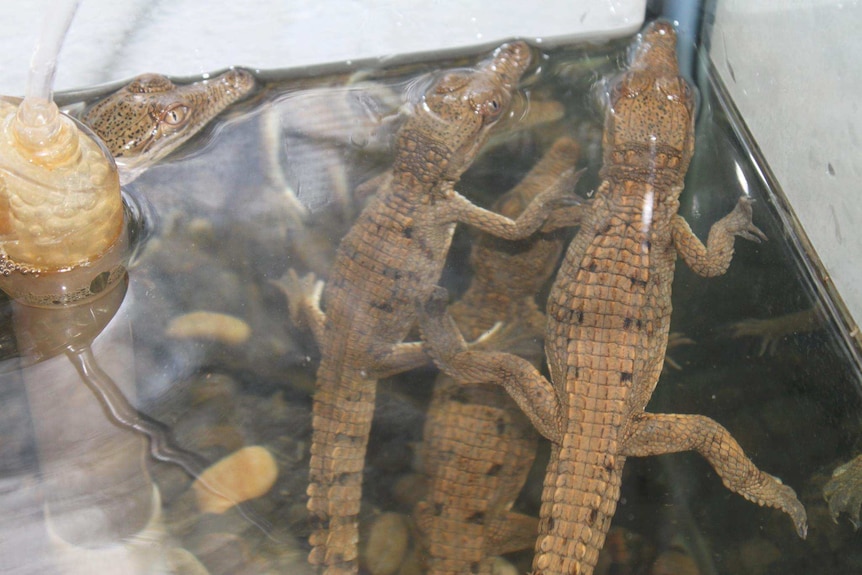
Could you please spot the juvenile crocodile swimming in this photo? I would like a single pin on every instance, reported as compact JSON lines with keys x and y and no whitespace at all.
{"x":392,"y":255}
{"x":477,"y":444}
{"x":151,"y":116}
{"x":608,"y":317}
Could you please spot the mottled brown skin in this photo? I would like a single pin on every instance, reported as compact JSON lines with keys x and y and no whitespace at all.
{"x":392,"y":255}
{"x":843,"y":492}
{"x":151,"y":116}
{"x":608,"y":318}
{"x":477,"y":444}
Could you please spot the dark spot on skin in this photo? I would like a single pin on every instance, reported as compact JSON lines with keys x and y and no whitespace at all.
{"x":343,"y":478}
{"x":392,"y":273}
{"x":344,"y":438}
{"x":478,"y":518}
{"x":551,"y":523}
{"x":627,"y":323}
{"x":592,"y":266}
{"x":459,"y":395}
{"x":494,"y":470}
{"x":501,"y":426}
{"x":438,"y":509}
{"x":318,"y":522}
{"x":407,"y":232}
{"x":604,"y":231}
{"x":382,"y":306}
{"x":647,"y":246}
{"x":474,"y":567}
{"x":580,"y":316}
{"x":594,"y":514}
{"x":639,"y":324}
{"x":446,"y":455}
{"x":638,"y":282}
{"x":625,"y":376}
{"x":609,"y":466}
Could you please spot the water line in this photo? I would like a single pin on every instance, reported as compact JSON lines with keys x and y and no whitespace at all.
{"x":162,"y":445}
{"x":123,"y":414}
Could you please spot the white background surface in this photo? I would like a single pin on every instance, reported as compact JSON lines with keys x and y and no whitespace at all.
{"x":797,"y":83}
{"x":117,"y":39}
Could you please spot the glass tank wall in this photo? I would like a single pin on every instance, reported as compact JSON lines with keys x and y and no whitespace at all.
{"x":167,"y":426}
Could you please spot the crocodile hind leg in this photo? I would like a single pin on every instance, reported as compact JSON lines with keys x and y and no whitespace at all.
{"x":659,"y":433}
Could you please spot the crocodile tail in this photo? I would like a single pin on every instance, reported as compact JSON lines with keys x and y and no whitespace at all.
{"x":580,"y":496}
{"x":341,"y":422}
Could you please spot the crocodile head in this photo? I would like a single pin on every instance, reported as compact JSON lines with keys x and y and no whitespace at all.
{"x":649,"y":124}
{"x":448,"y":127}
{"x":151,"y":116}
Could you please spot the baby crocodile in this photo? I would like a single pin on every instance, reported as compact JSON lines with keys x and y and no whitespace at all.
{"x":151,"y":116}
{"x":477,"y":444}
{"x":608,"y":317}
{"x":392,"y":255}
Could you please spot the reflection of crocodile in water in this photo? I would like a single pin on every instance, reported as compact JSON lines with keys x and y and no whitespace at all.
{"x":477,"y":445}
{"x":608,"y":319}
{"x":843,"y":492}
{"x":393,"y":254}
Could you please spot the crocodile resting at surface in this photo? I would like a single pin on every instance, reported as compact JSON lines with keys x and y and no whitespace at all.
{"x":151,"y":116}
{"x":608,"y":318}
{"x":392,"y":255}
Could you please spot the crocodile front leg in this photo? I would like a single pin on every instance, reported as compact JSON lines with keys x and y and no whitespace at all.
{"x":525,"y":384}
{"x":460,"y":209}
{"x":714,"y":258}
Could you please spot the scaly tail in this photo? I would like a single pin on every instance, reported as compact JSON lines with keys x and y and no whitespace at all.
{"x":578,"y":502}
{"x":342,"y":413}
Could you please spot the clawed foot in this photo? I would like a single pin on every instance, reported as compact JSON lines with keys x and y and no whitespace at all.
{"x":739,"y":221}
{"x":791,"y":505}
{"x":300,"y":292}
{"x":442,"y":337}
{"x":767,"y":330}
{"x":561,"y":194}
{"x":676,"y":339}
{"x":843,"y":492}
{"x":773,"y":331}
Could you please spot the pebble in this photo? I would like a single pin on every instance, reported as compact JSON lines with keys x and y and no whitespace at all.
{"x":210,"y":326}
{"x":246,"y":474}
{"x":500,"y":566}
{"x":674,"y":562}
{"x":182,"y":562}
{"x":757,"y":555}
{"x":385,"y":545}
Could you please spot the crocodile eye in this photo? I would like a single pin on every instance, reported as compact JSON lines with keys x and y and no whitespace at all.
{"x":176,"y":115}
{"x":493,"y":108}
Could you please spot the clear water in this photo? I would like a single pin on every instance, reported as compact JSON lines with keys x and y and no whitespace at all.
{"x":221,"y":225}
